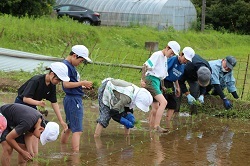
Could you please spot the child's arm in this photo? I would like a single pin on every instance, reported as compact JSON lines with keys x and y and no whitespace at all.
{"x":143,"y":75}
{"x":31,"y":101}
{"x":28,"y":143}
{"x":56,"y":109}
{"x":10,"y":138}
{"x":87,"y":84}
{"x":177,"y":88}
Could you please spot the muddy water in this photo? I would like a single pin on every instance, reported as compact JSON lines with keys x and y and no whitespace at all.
{"x":199,"y":140}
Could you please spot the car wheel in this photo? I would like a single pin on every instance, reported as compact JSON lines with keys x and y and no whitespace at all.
{"x":87,"y":22}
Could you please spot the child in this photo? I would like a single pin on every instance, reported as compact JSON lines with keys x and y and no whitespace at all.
{"x":43,"y":86}
{"x":117,"y":98}
{"x":72,"y":102}
{"x":23,"y":122}
{"x":176,"y":66}
{"x":155,"y":69}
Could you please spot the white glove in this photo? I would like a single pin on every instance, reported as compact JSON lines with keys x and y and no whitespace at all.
{"x":191,"y":99}
{"x":201,"y":99}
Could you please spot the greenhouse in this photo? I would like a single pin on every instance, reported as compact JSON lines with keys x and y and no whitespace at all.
{"x":162,"y":14}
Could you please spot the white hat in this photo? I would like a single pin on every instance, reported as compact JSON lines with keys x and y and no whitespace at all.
{"x":3,"y":124}
{"x":81,"y":51}
{"x":50,"y":133}
{"x":61,"y":70}
{"x":143,"y":99}
{"x":175,"y":47}
{"x":188,"y":53}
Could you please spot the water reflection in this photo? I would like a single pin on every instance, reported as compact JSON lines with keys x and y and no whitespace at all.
{"x":199,"y":140}
{"x":218,"y":152}
{"x":71,"y":158}
{"x":122,"y":154}
{"x":157,"y":148}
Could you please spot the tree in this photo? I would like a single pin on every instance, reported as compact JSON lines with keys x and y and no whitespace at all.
{"x":26,"y":7}
{"x":231,"y":15}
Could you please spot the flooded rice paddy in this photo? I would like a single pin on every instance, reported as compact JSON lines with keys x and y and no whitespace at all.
{"x":197,"y":140}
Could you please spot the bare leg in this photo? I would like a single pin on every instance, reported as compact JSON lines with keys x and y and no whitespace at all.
{"x":21,"y":161}
{"x":35,"y":142}
{"x":65,"y":136}
{"x":126,"y":131}
{"x":152,"y":114}
{"x":162,"y":105}
{"x":75,"y":142}
{"x":170,"y":113}
{"x":98,"y":130}
{"x":6,"y":153}
{"x":98,"y":142}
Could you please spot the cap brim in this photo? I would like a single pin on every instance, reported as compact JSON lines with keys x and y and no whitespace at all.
{"x":203,"y":84}
{"x":64,"y":78}
{"x":189,"y":59}
{"x":88,"y":60}
{"x":175,"y":52}
{"x":229,"y":65}
{"x":142,"y":107}
{"x":43,"y":138}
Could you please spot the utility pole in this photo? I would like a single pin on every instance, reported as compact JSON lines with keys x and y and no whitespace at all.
{"x":203,"y":15}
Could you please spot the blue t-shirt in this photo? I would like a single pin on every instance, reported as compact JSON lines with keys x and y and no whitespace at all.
{"x":175,"y":69}
{"x":74,"y":77}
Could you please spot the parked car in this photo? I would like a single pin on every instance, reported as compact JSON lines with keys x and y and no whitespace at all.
{"x":79,"y":13}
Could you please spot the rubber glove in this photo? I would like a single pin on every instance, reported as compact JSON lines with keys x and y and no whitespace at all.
{"x":131,"y":118}
{"x":126,"y":123}
{"x":235,"y":95}
{"x":191,"y":99}
{"x":227,"y":104}
{"x":201,"y":99}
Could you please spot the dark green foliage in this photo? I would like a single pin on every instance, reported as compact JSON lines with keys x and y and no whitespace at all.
{"x":22,"y":8}
{"x":226,"y":15}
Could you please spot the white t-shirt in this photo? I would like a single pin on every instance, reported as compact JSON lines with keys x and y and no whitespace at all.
{"x":157,"y":65}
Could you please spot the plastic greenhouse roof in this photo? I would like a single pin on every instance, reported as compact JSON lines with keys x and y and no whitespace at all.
{"x":130,"y":6}
{"x":13,"y":60}
{"x":157,"y":13}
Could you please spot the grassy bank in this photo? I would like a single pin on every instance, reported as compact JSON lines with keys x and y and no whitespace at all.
{"x":49,"y":36}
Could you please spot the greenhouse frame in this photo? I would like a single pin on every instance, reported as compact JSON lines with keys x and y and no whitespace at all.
{"x":162,"y":14}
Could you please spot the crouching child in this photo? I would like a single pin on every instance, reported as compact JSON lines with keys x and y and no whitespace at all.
{"x":117,"y":99}
{"x":23,"y":122}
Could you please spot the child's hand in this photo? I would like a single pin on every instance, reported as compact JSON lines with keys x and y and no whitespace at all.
{"x":143,"y":83}
{"x":87,"y":84}
{"x":42,"y":103}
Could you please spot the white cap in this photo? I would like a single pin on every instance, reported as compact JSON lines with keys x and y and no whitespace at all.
{"x":143,"y":99}
{"x":81,"y":51}
{"x":3,"y":124}
{"x":61,"y":70}
{"x":188,"y":53}
{"x":50,"y":133}
{"x":175,"y":47}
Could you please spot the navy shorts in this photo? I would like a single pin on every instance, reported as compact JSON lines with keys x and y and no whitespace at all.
{"x":73,"y":108}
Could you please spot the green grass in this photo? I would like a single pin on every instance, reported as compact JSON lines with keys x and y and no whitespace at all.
{"x":50,"y":36}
